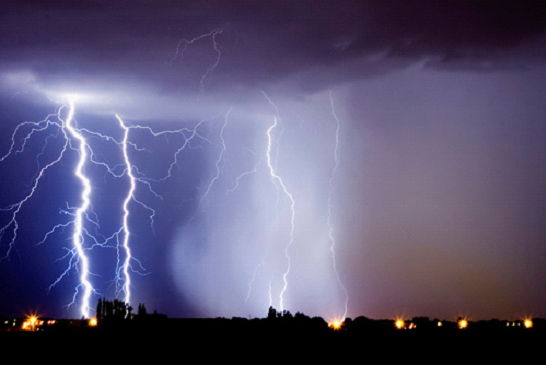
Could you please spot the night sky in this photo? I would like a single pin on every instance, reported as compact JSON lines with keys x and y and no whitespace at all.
{"x":433,"y":202}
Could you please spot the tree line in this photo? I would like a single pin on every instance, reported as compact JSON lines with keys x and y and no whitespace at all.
{"x":118,"y":310}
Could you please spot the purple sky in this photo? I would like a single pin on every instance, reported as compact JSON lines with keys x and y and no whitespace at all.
{"x":437,"y":205}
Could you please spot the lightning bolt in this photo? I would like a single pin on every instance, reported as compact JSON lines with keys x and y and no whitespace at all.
{"x":330,"y":194}
{"x":122,"y":270}
{"x":16,"y":207}
{"x":36,"y":127}
{"x":77,"y":238}
{"x":74,"y":139}
{"x":128,"y":199}
{"x":224,"y":148}
{"x":181,"y":49}
{"x":238,"y":178}
{"x":193,"y":134}
{"x":278,"y":180}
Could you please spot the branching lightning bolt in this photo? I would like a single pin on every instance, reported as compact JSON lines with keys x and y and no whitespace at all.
{"x":128,"y":199}
{"x":330,"y":194}
{"x":238,"y":178}
{"x":180,"y":51}
{"x":38,"y":128}
{"x":124,"y":268}
{"x":74,"y":139}
{"x":193,"y":133}
{"x":77,"y":238}
{"x":224,"y":148}
{"x":16,"y":207}
{"x":278,"y":180}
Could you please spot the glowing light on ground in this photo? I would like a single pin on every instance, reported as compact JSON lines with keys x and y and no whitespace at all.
{"x":463,"y":323}
{"x":31,"y":323}
{"x":335,"y":324}
{"x":528,"y":323}
{"x":399,"y":324}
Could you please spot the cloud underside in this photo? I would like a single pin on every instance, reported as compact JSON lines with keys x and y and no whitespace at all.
{"x":314,"y":45}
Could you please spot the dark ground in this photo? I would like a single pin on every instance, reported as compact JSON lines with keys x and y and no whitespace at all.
{"x":259,"y":340}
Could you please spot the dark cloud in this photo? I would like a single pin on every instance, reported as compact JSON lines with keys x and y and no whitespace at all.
{"x":263,"y":41}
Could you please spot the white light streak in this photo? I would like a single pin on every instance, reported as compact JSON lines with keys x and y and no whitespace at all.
{"x":77,"y":238}
{"x":224,"y":148}
{"x":128,"y":198}
{"x":330,"y":194}
{"x":16,"y":207}
{"x":185,"y":43}
{"x":292,"y":207}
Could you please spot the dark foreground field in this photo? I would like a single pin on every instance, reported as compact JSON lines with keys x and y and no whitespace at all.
{"x":259,"y":340}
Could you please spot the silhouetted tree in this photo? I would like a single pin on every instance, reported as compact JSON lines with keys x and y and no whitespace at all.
{"x":115,"y":311}
{"x":272,"y":313}
{"x":142,"y":312}
{"x":99,"y":310}
{"x":286,"y":315}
